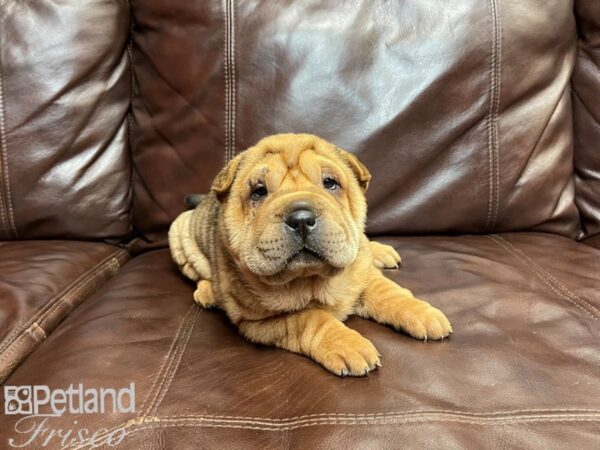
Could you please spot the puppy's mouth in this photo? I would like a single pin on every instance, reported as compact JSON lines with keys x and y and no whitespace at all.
{"x":305,"y":257}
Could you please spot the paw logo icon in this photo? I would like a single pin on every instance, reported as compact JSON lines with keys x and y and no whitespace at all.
{"x":17,"y":400}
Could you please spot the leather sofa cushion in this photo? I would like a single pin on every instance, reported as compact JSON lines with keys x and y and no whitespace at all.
{"x":463,"y":114}
{"x":64,"y":98}
{"x":41,"y":282}
{"x":586,"y":116}
{"x":521,"y":367}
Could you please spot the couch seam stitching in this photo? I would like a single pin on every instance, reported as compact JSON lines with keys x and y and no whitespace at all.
{"x":100,"y":269}
{"x":88,"y":276}
{"x":176,"y":361}
{"x":130,"y":115}
{"x":415,"y":416}
{"x":225,"y":4}
{"x":6,"y":200}
{"x":14,"y":347}
{"x":393,"y":414}
{"x":498,"y":94}
{"x":130,"y":429}
{"x":163,"y":368}
{"x":539,"y":272}
{"x":492,"y":126}
{"x":50,"y":304}
{"x":233,"y":77}
{"x":230,"y":78}
{"x":552,"y":279}
{"x":183,"y":327}
{"x":359,"y":418}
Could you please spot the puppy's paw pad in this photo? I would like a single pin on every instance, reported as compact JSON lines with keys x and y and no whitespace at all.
{"x":203,"y":295}
{"x":349,"y":355}
{"x":385,"y":256}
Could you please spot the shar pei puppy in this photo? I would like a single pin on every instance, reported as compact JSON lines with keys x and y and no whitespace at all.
{"x":279,"y":245}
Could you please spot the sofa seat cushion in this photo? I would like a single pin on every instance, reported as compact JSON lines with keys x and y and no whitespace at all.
{"x":521,"y":367}
{"x":40,"y":283}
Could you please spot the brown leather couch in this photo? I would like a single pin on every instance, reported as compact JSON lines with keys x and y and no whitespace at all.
{"x":480,"y":121}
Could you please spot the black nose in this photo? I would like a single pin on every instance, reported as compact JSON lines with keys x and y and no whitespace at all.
{"x":302,"y":221}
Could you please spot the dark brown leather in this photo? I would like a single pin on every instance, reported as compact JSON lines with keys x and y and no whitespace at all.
{"x":594,"y":241}
{"x":586,"y":116}
{"x":41,"y":282}
{"x":64,"y":95}
{"x":463,"y":114}
{"x":467,"y":116}
{"x":520,"y":371}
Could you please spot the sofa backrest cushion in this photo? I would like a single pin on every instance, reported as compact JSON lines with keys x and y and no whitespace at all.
{"x":462,"y":111}
{"x":65,"y":168}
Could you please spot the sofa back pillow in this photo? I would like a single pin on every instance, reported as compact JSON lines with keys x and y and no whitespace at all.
{"x":462,"y":111}
{"x":65,"y":168}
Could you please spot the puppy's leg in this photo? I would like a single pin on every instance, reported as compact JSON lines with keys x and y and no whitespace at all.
{"x":386,"y":302}
{"x":319,"y":335}
{"x":384,"y":256}
{"x":203,"y":295}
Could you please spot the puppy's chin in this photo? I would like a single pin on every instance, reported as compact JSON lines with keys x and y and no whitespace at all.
{"x":305,"y":260}
{"x":302,"y":263}
{"x":305,"y":265}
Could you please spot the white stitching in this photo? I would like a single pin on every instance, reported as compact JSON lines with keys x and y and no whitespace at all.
{"x":176,"y":361}
{"x":166,"y":370}
{"x":130,"y":430}
{"x":166,"y":362}
{"x":230,"y":78}
{"x":233,"y":77}
{"x":550,"y":277}
{"x":226,"y":79}
{"x":583,"y":414}
{"x":229,"y":67}
{"x":51,"y":304}
{"x":498,"y":93}
{"x":389,"y":421}
{"x":391,"y":414}
{"x":537,"y":270}
{"x":492,"y":126}
{"x":9,"y":215}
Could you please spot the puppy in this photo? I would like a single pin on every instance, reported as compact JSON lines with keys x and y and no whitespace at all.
{"x":279,"y":245}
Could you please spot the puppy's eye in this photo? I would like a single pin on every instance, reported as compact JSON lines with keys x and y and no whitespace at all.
{"x":259,"y":191}
{"x":330,"y":183}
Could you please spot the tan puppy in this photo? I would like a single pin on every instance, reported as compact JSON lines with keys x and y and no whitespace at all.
{"x":279,"y":245}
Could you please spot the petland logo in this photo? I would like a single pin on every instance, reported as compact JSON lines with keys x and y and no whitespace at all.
{"x":39,"y":399}
{"x":40,"y":406}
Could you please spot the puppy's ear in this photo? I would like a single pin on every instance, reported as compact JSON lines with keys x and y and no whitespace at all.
{"x":361,"y":172}
{"x":224,"y":179}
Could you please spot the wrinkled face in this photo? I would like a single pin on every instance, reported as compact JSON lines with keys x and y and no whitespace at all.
{"x":295,"y":208}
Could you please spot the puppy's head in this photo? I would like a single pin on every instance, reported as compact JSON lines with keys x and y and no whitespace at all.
{"x":293,"y":206}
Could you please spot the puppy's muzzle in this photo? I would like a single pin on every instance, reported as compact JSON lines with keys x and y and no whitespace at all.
{"x":301,"y":219}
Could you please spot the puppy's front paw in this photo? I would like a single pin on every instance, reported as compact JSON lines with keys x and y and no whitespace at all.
{"x":203,"y":295}
{"x":384,"y":256}
{"x":421,"y":320}
{"x":347,"y":353}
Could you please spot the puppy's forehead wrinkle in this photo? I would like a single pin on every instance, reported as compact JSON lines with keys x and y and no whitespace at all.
{"x":294,"y":164}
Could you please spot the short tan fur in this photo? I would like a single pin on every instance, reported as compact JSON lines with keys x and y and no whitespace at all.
{"x":293,"y":286}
